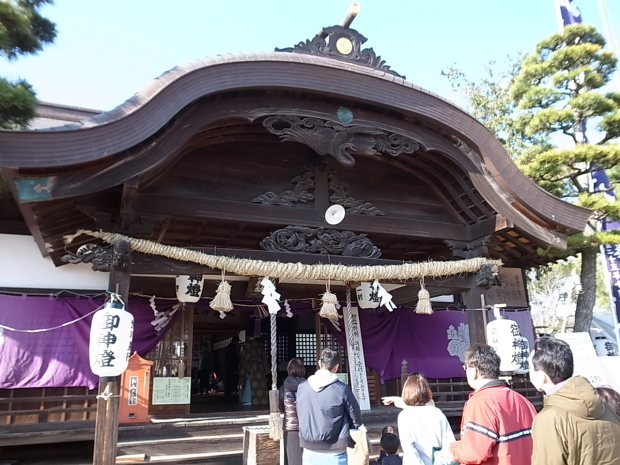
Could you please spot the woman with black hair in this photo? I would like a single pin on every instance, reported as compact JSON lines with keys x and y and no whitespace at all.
{"x":288,"y":405}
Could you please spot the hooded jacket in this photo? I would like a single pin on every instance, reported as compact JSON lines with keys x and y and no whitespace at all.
{"x":326,"y":409}
{"x":288,"y":402}
{"x":496,"y":427}
{"x":576,"y":427}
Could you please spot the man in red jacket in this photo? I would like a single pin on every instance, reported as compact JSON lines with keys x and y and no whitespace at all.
{"x":497,"y":421}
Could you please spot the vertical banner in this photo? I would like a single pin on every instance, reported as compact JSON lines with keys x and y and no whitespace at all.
{"x":357,"y":363}
{"x":570,"y":12}
{"x":610,"y":253}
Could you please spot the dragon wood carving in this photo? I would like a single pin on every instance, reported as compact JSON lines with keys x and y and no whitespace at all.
{"x":320,"y":240}
{"x":338,"y":140}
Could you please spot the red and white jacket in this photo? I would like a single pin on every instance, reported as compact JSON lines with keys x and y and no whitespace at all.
{"x":496,"y":428}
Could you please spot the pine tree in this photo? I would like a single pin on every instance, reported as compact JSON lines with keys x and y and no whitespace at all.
{"x":558,"y":91}
{"x":23,"y":31}
{"x":490,"y":102}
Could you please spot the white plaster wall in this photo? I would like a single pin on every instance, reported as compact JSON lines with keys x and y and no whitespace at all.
{"x":21,"y":265}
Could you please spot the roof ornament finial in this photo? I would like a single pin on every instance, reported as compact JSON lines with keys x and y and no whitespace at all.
{"x":352,"y":12}
{"x":342,"y":43}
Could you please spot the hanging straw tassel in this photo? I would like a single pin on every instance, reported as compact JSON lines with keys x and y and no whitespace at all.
{"x":221,"y":302}
{"x":424,"y":301}
{"x":328,"y":309}
{"x":275,"y":419}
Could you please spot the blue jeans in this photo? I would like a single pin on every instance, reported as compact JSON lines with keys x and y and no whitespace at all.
{"x":324,"y":458}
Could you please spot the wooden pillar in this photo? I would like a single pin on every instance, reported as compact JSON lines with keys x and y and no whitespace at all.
{"x":106,"y":426}
{"x":476,"y":318}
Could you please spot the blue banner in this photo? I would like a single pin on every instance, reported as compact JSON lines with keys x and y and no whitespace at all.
{"x":570,"y":12}
{"x":611,"y":252}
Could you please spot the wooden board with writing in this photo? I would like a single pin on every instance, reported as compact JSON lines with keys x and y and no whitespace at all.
{"x":511,"y":292}
{"x":357,"y":363}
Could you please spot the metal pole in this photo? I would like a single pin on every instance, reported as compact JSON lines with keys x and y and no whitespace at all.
{"x":611,"y":44}
{"x":558,"y":15}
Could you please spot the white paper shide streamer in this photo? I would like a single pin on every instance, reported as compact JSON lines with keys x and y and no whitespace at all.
{"x":287,"y":307}
{"x":270,"y":296}
{"x":385,"y":296}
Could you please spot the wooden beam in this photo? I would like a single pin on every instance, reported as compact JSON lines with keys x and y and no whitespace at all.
{"x":163,"y":229}
{"x":130,"y":190}
{"x":475,"y":316}
{"x":247,"y":212}
{"x":436,"y":287}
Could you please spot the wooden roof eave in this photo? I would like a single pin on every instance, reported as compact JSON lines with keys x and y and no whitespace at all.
{"x":148,"y":111}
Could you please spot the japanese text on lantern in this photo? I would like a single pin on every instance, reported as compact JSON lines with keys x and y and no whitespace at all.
{"x":104,"y":356}
{"x":193,"y":286}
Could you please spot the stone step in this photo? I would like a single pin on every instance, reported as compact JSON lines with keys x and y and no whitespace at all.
{"x":200,"y":443}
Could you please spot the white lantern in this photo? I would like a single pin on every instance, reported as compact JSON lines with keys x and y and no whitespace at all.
{"x":504,"y":335}
{"x":111,"y":333}
{"x":522,"y":355}
{"x":189,"y":288}
{"x":603,"y":347}
{"x":368,"y":295}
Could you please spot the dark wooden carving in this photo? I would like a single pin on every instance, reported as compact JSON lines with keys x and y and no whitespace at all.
{"x":342,"y":43}
{"x":339,"y":140}
{"x":340,"y":196}
{"x":122,"y":256}
{"x":320,"y":240}
{"x":100,"y":256}
{"x":488,"y":276}
{"x":300,"y":192}
{"x":470,"y":249}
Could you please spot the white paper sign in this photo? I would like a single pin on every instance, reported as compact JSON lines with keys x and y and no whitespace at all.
{"x":357,"y":363}
{"x":611,"y":370}
{"x":171,"y":391}
{"x":584,"y":356}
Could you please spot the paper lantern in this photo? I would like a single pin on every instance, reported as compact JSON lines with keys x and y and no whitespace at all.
{"x":189,"y":288}
{"x":504,"y":335}
{"x":368,"y":295}
{"x":111,"y":333}
{"x":603,"y":347}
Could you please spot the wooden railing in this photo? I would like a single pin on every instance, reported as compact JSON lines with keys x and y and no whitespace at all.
{"x":47,"y":405}
{"x":450,"y":394}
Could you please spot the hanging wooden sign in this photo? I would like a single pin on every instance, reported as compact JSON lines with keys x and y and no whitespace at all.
{"x":357,"y":363}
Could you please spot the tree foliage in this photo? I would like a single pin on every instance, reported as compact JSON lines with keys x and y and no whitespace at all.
{"x":553,"y":291}
{"x":553,"y":93}
{"x":490,"y":102}
{"x":559,"y":91}
{"x":23,"y":31}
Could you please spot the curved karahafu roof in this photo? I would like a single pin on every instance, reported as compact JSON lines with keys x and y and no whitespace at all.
{"x":215,"y":99}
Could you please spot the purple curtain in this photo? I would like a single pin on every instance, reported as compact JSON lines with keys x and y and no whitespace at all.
{"x":59,"y":358}
{"x":431,"y":344}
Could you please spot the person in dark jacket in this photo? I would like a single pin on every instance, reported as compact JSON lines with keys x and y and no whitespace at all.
{"x":326,"y":409}
{"x":288,"y":405}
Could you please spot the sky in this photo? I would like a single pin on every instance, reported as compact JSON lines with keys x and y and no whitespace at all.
{"x":107,"y":50}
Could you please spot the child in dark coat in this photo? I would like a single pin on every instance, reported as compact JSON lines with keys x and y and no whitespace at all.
{"x":389,"y":445}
